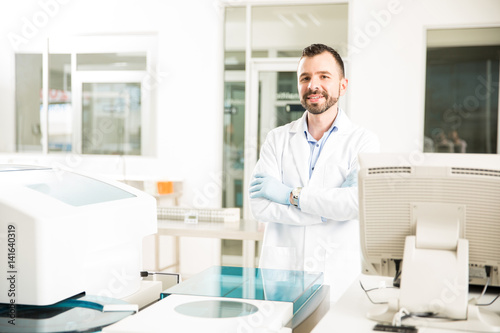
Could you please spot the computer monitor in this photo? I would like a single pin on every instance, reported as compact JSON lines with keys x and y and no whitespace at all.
{"x":398,"y":191}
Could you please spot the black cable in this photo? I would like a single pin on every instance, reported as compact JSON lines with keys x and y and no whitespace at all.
{"x":487,"y":269}
{"x":146,"y":274}
{"x":397,"y":278}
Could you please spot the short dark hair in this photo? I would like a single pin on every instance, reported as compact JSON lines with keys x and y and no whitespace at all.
{"x":315,"y":49}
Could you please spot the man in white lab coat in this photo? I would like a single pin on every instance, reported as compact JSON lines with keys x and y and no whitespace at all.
{"x":304,"y":185}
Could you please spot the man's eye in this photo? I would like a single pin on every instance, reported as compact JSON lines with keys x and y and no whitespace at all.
{"x":304,"y":79}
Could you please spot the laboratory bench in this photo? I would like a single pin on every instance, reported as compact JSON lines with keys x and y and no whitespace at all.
{"x":247,"y":231}
{"x":349,"y":313}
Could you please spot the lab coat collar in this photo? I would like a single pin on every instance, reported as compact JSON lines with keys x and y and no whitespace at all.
{"x":342,"y":122}
{"x":302,"y":150}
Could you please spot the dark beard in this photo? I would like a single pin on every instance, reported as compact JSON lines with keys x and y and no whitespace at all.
{"x":318,"y":109}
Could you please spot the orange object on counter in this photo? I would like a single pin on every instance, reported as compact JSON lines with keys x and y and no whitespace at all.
{"x":165,"y":187}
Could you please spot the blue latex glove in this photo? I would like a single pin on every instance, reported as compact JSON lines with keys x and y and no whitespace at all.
{"x":351,"y":180}
{"x":265,"y":186}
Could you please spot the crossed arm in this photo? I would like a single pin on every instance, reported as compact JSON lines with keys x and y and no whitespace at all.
{"x":270,"y":197}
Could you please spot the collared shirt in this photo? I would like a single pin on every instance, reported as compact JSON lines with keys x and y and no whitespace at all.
{"x":317,"y":145}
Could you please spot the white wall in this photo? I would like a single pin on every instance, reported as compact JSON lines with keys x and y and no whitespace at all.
{"x":189,"y":91}
{"x":387,"y":61}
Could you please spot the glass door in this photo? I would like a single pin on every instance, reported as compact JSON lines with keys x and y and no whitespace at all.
{"x":111,"y":118}
{"x":110,"y":108}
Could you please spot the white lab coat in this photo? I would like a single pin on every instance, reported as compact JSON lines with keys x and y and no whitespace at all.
{"x":298,"y":239}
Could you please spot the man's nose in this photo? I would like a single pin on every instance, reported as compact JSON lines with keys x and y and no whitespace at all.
{"x":314,"y":84}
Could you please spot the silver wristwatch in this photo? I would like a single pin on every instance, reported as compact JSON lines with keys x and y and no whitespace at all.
{"x":296,"y":195}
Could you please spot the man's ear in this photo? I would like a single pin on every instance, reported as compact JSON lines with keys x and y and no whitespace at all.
{"x":343,"y":86}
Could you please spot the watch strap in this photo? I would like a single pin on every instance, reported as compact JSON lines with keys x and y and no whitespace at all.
{"x":296,"y":196}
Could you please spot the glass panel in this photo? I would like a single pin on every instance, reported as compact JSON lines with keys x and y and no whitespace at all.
{"x":111,"y":118}
{"x":234,"y":60}
{"x":234,"y":136}
{"x":234,"y":107}
{"x":28,"y":102}
{"x":60,"y":111}
{"x":77,"y":190}
{"x":279,"y":102}
{"x":461,"y":98}
{"x":111,"y":62}
{"x":234,"y":124}
{"x":234,"y":31}
{"x":251,"y":283}
{"x":283,"y":31}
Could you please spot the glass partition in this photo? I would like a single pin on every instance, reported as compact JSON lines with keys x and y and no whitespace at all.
{"x":461,"y":95}
{"x":111,"y":118}
{"x":111,"y":61}
{"x":283,"y":31}
{"x":60,"y":109}
{"x":28,"y":102}
{"x":279,"y":102}
{"x":234,"y":107}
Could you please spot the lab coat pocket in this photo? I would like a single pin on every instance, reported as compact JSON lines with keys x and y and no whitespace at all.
{"x":277,"y":257}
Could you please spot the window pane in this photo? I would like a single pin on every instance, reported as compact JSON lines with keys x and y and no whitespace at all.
{"x":283,"y":31}
{"x":234,"y":60}
{"x":461,"y":98}
{"x":111,"y":118}
{"x":60,"y":111}
{"x":111,"y":62}
{"x":28,"y":102}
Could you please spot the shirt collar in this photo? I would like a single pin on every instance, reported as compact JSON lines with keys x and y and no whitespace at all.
{"x":333,"y":128}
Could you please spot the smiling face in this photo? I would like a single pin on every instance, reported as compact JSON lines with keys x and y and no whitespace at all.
{"x":320,"y":83}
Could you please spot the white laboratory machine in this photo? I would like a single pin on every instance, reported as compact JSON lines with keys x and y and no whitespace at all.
{"x":64,"y":233}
